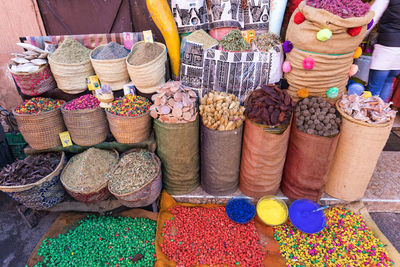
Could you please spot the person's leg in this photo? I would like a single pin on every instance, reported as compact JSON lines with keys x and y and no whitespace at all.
{"x":386,"y":92}
{"x":376,"y":80}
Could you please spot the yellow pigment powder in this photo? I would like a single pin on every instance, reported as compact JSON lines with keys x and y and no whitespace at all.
{"x":271,"y":212}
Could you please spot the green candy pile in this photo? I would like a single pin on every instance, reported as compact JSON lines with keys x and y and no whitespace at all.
{"x":103,"y":241}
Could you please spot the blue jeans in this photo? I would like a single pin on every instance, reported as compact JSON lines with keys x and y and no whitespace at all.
{"x":380,"y":83}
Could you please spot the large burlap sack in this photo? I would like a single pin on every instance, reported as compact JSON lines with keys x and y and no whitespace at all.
{"x":178,"y":149}
{"x":263,"y":158}
{"x":357,"y":153}
{"x":220,"y":160}
{"x":307,"y":164}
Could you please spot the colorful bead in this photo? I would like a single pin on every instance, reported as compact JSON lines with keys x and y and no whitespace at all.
{"x":299,"y":18}
{"x":324,"y":35}
{"x":130,"y":107}
{"x":38,"y":104}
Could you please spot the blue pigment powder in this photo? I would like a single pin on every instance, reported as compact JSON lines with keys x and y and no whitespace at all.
{"x":303,"y":218}
{"x":240,"y":210}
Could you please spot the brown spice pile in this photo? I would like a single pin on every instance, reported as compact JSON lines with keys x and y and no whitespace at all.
{"x":71,"y":52}
{"x":145,"y":52}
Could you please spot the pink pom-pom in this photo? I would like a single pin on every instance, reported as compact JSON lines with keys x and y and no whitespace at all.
{"x":308,"y":63}
{"x":286,"y":67}
{"x":353,"y":69}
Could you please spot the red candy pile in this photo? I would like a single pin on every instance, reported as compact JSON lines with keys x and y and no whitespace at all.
{"x":197,"y":236}
{"x":84,"y":102}
{"x":343,"y":8}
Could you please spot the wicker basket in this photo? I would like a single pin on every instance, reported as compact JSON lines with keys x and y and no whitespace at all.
{"x":129,"y":130}
{"x":34,"y":83}
{"x":145,"y":195}
{"x":71,"y":78}
{"x":43,"y":194}
{"x":41,"y":130}
{"x":110,"y":71}
{"x":149,"y":76}
{"x":87,"y":127}
{"x":93,"y":195}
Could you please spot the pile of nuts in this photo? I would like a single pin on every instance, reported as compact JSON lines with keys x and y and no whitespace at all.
{"x":314,"y":115}
{"x":174,"y":103}
{"x":221,"y":111}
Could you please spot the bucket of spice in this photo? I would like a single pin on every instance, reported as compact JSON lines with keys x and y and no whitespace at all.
{"x":307,"y":216}
{"x":70,"y":65}
{"x":85,"y":177}
{"x":146,"y":66}
{"x":265,"y":140}
{"x":40,"y":121}
{"x":272,"y":210}
{"x":176,"y":127}
{"x":136,"y":180}
{"x":221,"y":142}
{"x":129,"y":119}
{"x":85,"y":120}
{"x":109,"y":62}
{"x":35,"y":180}
{"x":240,"y":210}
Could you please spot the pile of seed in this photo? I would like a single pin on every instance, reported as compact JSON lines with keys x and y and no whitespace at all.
{"x":132,"y":172}
{"x":317,"y":116}
{"x":38,"y":104}
{"x":266,"y":41}
{"x":203,"y":38}
{"x":195,"y":236}
{"x":234,"y":41}
{"x":71,"y":52}
{"x":29,"y":170}
{"x":130,"y":107}
{"x":111,"y":51}
{"x":103,"y":241}
{"x":84,"y":102}
{"x":145,"y":53}
{"x":86,"y":171}
{"x":345,"y":241}
{"x":343,"y":8}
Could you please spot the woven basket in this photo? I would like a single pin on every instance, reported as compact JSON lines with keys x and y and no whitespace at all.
{"x":149,"y":76}
{"x":71,"y":78}
{"x":34,"y":83}
{"x":145,"y":195}
{"x":88,"y":196}
{"x":87,"y":127}
{"x":111,"y":71}
{"x":43,"y":194}
{"x":129,"y":130}
{"x":41,"y":130}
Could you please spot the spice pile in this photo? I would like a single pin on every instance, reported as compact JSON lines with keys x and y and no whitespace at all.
{"x":266,"y":41}
{"x":240,"y":210}
{"x":71,"y":52}
{"x":84,"y":102}
{"x":29,"y":170}
{"x":271,"y":211}
{"x":130,"y":107}
{"x":28,"y":61}
{"x":270,"y":106}
{"x":234,"y":41}
{"x":221,"y":111}
{"x":111,"y":51}
{"x":86,"y":171}
{"x":174,"y":103}
{"x":103,"y":241}
{"x":38,"y":104}
{"x":343,"y":8}
{"x":145,"y":53}
{"x":132,"y":172}
{"x":371,"y":110}
{"x":203,"y":38}
{"x":345,"y":241}
{"x":317,"y":116}
{"x":210,"y":238}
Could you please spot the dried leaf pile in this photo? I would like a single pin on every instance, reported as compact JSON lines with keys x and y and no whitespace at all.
{"x":29,"y":170}
{"x":174,"y":103}
{"x":221,"y":111}
{"x":234,"y":41}
{"x":270,"y":106}
{"x":86,"y":171}
{"x":371,"y":110}
{"x":28,"y":61}
{"x":266,"y":41}
{"x":132,"y":172}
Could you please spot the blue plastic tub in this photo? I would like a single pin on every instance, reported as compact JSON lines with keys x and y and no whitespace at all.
{"x":303,"y":218}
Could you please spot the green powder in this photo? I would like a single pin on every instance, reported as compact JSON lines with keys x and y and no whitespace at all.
{"x":71,"y":52}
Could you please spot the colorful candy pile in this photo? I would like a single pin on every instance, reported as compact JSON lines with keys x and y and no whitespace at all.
{"x":103,"y":241}
{"x":38,"y":104}
{"x":210,"y":238}
{"x":84,"y":102}
{"x":343,"y":8}
{"x":130,"y":107}
{"x":345,"y":241}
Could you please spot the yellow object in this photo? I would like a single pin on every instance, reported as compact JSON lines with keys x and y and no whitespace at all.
{"x":302,"y":93}
{"x":357,"y":53}
{"x":366,"y":94}
{"x":93,"y":82}
{"x":249,"y":35}
{"x":324,"y":35}
{"x":65,"y":139}
{"x":272,"y":211}
{"x":148,"y":36}
{"x":162,"y":17}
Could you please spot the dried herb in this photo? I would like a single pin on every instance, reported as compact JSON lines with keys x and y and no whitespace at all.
{"x":203,"y":38}
{"x":234,"y":41}
{"x":343,"y":8}
{"x":71,"y":52}
{"x":266,"y":41}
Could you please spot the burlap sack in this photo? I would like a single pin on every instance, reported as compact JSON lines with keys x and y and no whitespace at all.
{"x":263,"y":158}
{"x":357,"y":153}
{"x":307,"y":164}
